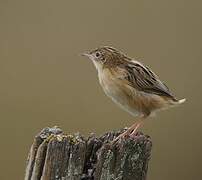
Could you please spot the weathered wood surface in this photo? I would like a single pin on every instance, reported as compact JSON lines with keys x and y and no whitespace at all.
{"x":57,"y":156}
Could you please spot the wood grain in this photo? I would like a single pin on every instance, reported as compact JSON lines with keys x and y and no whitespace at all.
{"x":57,"y":156}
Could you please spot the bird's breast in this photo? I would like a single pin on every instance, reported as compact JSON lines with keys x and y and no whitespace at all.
{"x":121,"y":93}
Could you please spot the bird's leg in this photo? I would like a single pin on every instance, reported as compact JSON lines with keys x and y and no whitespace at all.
{"x":126,"y":133}
{"x":139,"y":123}
{"x":136,"y":128}
{"x":130,"y":130}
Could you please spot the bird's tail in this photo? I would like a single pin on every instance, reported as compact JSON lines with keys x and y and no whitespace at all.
{"x":181,"y":101}
{"x":177,"y":102}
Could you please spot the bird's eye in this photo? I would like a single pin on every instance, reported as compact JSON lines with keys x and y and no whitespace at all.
{"x":97,"y":54}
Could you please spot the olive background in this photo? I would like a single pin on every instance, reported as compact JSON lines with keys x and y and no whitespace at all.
{"x":45,"y":82}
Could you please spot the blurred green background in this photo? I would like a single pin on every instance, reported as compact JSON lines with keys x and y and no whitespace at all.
{"x":45,"y":81}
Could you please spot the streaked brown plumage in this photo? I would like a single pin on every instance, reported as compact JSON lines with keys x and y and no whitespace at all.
{"x":130,"y":84}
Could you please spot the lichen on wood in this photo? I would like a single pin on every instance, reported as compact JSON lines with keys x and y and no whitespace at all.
{"x":57,"y":156}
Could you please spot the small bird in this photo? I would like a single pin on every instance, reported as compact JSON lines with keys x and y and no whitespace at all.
{"x":131,"y":85}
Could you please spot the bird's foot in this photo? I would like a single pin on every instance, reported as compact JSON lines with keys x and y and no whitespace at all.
{"x":133,"y":133}
{"x":122,"y":136}
{"x":129,"y":132}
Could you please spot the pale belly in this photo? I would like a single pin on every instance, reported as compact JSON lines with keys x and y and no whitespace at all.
{"x":124,"y":97}
{"x":122,"y":103}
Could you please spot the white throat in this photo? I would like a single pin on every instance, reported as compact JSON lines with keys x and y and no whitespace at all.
{"x":98,"y":66}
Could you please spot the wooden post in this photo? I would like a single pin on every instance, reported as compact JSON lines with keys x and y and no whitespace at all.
{"x":57,"y":156}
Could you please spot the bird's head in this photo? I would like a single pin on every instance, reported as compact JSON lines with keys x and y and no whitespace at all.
{"x":105,"y":56}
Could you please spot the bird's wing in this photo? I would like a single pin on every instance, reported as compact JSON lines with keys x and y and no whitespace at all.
{"x":143,"y":79}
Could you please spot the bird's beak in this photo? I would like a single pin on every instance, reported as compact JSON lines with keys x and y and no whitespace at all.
{"x":86,"y":55}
